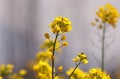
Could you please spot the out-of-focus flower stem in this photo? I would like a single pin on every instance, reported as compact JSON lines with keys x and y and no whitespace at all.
{"x":103,"y":47}
{"x":74,"y":69}
{"x":53,"y":52}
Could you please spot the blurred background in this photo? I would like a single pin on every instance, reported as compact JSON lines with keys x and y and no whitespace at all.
{"x":23,"y":23}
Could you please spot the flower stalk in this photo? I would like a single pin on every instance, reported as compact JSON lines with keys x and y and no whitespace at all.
{"x":74,"y":69}
{"x":53,"y":52}
{"x":103,"y":47}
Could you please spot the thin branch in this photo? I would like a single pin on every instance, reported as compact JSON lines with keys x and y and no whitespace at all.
{"x":96,"y":59}
{"x":108,"y":36}
{"x":94,"y":44}
{"x":107,"y":45}
{"x":97,"y":33}
{"x":111,"y":60}
{"x":74,"y":70}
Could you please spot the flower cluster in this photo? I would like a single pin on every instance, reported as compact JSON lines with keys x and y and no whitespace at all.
{"x":44,"y":66}
{"x":94,"y":73}
{"x":108,"y":14}
{"x":60,"y":24}
{"x":6,"y":71}
{"x":81,"y":57}
{"x":44,"y":63}
{"x":43,"y":70}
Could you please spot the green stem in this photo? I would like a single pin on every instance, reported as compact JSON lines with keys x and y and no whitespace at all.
{"x":103,"y":48}
{"x":74,"y":69}
{"x":53,"y":52}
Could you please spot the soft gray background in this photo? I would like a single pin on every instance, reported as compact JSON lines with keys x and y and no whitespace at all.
{"x":23,"y":23}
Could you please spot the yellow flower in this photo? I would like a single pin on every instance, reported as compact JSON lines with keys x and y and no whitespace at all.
{"x":1,"y":77}
{"x":65,"y":44}
{"x":6,"y":69}
{"x":60,"y":24}
{"x":76,"y":59}
{"x":81,"y":57}
{"x":63,"y":37}
{"x":85,"y":61}
{"x":60,"y":68}
{"x":10,"y":66}
{"x":93,"y":23}
{"x":96,"y":73}
{"x":42,"y":67}
{"x":22,"y":72}
{"x":47,"y":36}
{"x":15,"y":76}
{"x":43,"y":70}
{"x":109,"y":14}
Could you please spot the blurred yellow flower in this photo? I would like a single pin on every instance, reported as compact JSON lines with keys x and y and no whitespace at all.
{"x":43,"y":68}
{"x":6,"y":69}
{"x":109,"y":14}
{"x":96,"y":73}
{"x":60,"y":68}
{"x":85,"y":61}
{"x":65,"y":44}
{"x":63,"y":37}
{"x":22,"y":72}
{"x":1,"y":77}
{"x":81,"y":57}
{"x":16,"y":76}
{"x":60,"y":24}
{"x":47,"y":36}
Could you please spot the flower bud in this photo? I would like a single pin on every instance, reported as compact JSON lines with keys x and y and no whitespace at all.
{"x":47,"y":36}
{"x":60,"y":68}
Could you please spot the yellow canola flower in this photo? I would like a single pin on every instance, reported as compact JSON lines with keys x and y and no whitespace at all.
{"x":10,"y":66}
{"x":85,"y":61}
{"x":63,"y":37}
{"x":65,"y":44}
{"x":22,"y":72}
{"x":93,"y":23}
{"x":81,"y":57}
{"x":16,"y":76}
{"x":43,"y":70}
{"x":47,"y":36}
{"x":76,"y":59}
{"x":60,"y":68}
{"x":6,"y":69}
{"x":78,"y":74}
{"x":96,"y":73}
{"x":1,"y":77}
{"x":60,"y":24}
{"x":109,"y":14}
{"x":42,"y":66}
